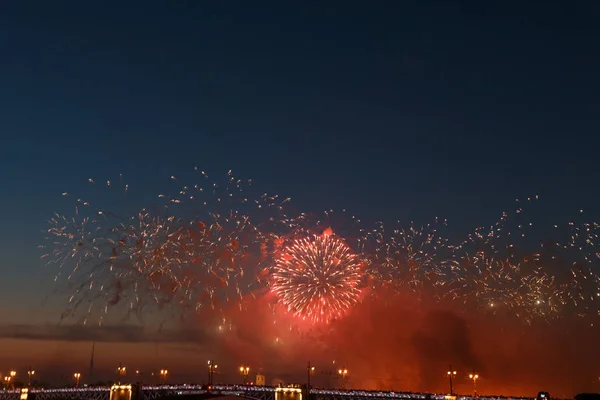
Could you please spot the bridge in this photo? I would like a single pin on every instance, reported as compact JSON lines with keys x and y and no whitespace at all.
{"x":249,"y":392}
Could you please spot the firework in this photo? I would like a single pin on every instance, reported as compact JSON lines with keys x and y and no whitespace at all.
{"x":200,"y":257}
{"x":499,"y":269}
{"x":206,"y":246}
{"x":317,"y":277}
{"x":411,"y":259}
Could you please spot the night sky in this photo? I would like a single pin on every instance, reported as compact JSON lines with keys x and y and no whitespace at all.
{"x":398,"y":110}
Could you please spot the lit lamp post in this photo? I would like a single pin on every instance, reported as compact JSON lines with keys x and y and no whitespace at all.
{"x":121,"y":372}
{"x":343,"y":372}
{"x":309,"y":371}
{"x":211,"y":371}
{"x":244,"y":370}
{"x":163,"y":375}
{"x":30,"y":373}
{"x":77,"y":376}
{"x":451,"y":377}
{"x":6,"y":381}
{"x":474,"y":377}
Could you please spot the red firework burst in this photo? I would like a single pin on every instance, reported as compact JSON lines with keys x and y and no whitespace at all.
{"x":317,"y":277}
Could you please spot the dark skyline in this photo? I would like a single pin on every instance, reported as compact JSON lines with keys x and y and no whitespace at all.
{"x":392,"y":110}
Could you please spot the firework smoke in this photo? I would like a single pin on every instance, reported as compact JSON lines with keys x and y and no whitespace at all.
{"x":237,"y":248}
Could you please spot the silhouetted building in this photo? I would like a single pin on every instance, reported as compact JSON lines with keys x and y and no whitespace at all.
{"x":588,"y":396}
{"x":543,"y":396}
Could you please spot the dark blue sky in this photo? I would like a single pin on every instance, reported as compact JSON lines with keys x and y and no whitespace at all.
{"x":395,"y":110}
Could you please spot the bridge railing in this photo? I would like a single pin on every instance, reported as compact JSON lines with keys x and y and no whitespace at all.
{"x":378,"y":394}
{"x":249,"y":391}
{"x":240,"y":388}
{"x":70,"y":390}
{"x":245,"y":388}
{"x":406,"y":395}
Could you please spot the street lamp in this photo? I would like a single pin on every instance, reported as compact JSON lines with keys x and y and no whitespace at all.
{"x":30,"y":373}
{"x":163,"y":375}
{"x":309,"y":371}
{"x":474,"y":377}
{"x":343,"y":372}
{"x":244,"y":370}
{"x":12,"y":378}
{"x":451,"y":376}
{"x":77,"y":375}
{"x":211,"y":371}
{"x":121,"y":371}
